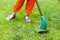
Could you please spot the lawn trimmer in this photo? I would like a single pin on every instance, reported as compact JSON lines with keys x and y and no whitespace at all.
{"x":43,"y":27}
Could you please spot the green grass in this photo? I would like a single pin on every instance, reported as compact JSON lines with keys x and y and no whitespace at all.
{"x":18,"y":29}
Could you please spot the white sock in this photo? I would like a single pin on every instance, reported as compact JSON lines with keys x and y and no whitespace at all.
{"x":13,"y":13}
{"x":26,"y":14}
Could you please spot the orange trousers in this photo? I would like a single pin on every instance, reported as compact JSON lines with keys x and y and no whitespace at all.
{"x":29,"y":6}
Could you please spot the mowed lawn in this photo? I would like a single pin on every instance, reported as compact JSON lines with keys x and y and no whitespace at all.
{"x":19,"y":29}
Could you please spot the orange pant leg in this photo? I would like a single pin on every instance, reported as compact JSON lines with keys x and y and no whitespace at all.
{"x":18,"y":5}
{"x":29,"y":6}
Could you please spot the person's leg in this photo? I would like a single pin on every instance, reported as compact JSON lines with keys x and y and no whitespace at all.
{"x":18,"y":5}
{"x":28,"y":10}
{"x":29,"y":6}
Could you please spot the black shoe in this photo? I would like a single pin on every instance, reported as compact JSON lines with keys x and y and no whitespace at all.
{"x":11,"y":16}
{"x":27,"y":18}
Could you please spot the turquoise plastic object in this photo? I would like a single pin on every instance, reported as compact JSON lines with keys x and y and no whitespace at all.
{"x":44,"y":23}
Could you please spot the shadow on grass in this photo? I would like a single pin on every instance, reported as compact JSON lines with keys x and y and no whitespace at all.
{"x":17,"y":37}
